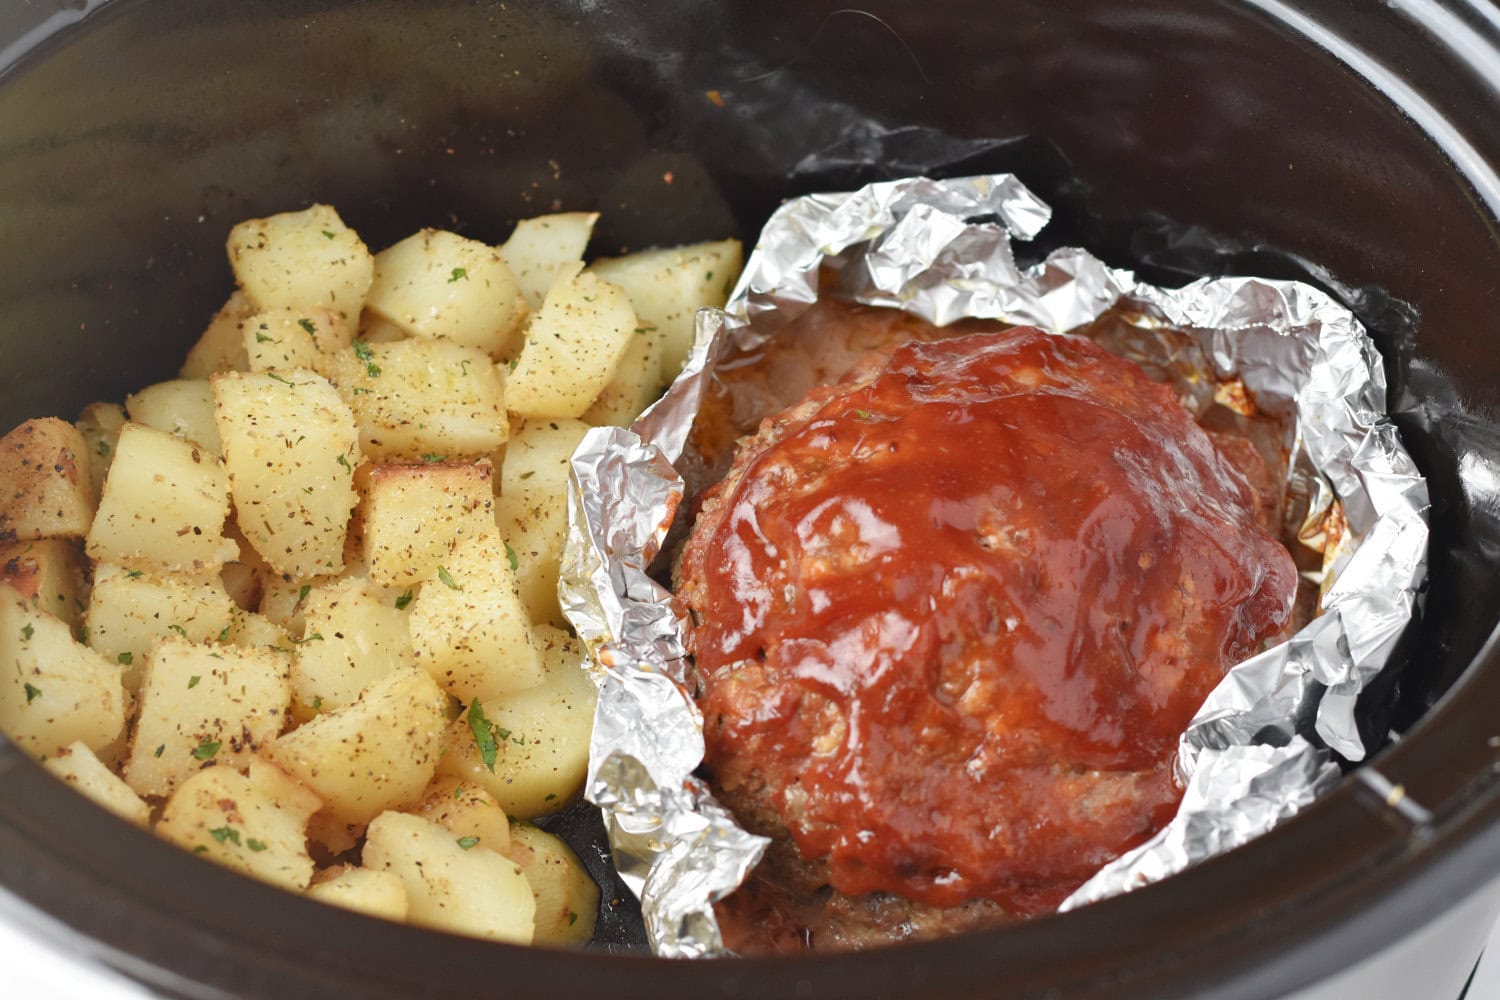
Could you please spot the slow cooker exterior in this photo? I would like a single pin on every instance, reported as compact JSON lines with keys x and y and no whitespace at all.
{"x":1363,"y":137}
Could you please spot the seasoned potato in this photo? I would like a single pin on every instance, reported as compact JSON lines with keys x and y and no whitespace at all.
{"x":163,"y":507}
{"x":203,"y":706}
{"x":667,"y":288}
{"x":78,"y":766}
{"x":422,"y":400}
{"x":537,"y":457}
{"x":221,"y":348}
{"x":302,"y":259}
{"x":534,"y":522}
{"x":467,"y":811}
{"x":293,"y":337}
{"x":49,"y":573}
{"x":567,"y":900}
{"x":539,"y":248}
{"x":100,"y":424}
{"x":572,"y":348}
{"x":530,"y":749}
{"x":376,"y":754}
{"x":45,"y":487}
{"x":441,"y":286}
{"x":413,"y":515}
{"x":364,"y":890}
{"x":290,"y":447}
{"x":251,"y":824}
{"x":256,"y":631}
{"x":469,"y":629}
{"x":636,"y":383}
{"x":130,"y":610}
{"x":184,"y":407}
{"x":350,"y":640}
{"x":54,"y":691}
{"x":450,"y":886}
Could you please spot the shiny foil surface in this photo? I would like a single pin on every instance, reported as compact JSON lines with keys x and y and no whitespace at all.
{"x":1263,"y":744}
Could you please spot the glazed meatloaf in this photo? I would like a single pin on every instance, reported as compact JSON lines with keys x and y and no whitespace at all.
{"x":950,"y":616}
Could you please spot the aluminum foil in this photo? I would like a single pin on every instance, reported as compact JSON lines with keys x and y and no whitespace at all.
{"x":1262,"y":746}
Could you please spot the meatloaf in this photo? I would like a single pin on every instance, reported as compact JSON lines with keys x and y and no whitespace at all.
{"x":950,"y":615}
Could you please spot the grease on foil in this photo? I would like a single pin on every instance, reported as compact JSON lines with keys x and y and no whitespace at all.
{"x":942,"y":250}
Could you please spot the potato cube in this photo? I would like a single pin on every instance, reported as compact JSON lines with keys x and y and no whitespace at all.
{"x":636,"y":384}
{"x":667,"y":287}
{"x":469,"y":629}
{"x":49,"y":573}
{"x":537,"y":740}
{"x":163,"y":507}
{"x":466,"y":811}
{"x":256,"y":631}
{"x":572,"y":348}
{"x":221,"y":348}
{"x":45,"y":487}
{"x":302,"y":259}
{"x":422,"y":400}
{"x":538,"y":248}
{"x":440,"y":286}
{"x":130,"y":611}
{"x":183,"y":407}
{"x":413,"y":515}
{"x":54,"y":691}
{"x":290,"y":447}
{"x":293,"y":337}
{"x":364,"y":890}
{"x":203,"y":706}
{"x":252,"y":824}
{"x":100,"y":424}
{"x":567,"y":899}
{"x":77,"y":765}
{"x":376,"y":754}
{"x":535,"y":524}
{"x":539,"y":454}
{"x":351,"y":639}
{"x":466,"y":890}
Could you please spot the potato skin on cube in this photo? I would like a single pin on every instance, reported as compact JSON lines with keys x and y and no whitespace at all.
{"x":572,"y":348}
{"x":50,"y":573}
{"x":164,"y":505}
{"x":290,"y":447}
{"x":46,"y":490}
{"x":54,"y":690}
{"x":440,"y":286}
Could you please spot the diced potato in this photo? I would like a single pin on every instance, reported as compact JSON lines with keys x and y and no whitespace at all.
{"x":535,"y":524}
{"x":293,"y":337}
{"x":130,"y":611}
{"x":537,"y":457}
{"x":49,"y":573}
{"x":290,"y":446}
{"x":636,"y":385}
{"x":351,"y":639}
{"x":572,"y":348}
{"x":540,"y":736}
{"x":54,"y":691}
{"x":256,"y":631}
{"x":413,"y":515}
{"x":221,"y":348}
{"x":253,"y":824}
{"x":466,"y":811}
{"x":538,"y":248}
{"x":364,"y":890}
{"x":204,"y":706}
{"x":163,"y":507}
{"x":440,"y":286}
{"x":100,"y":424}
{"x":184,"y":407}
{"x":78,"y":766}
{"x":667,"y":288}
{"x":284,"y":600}
{"x":302,"y":259}
{"x":567,"y":900}
{"x":45,"y":487}
{"x":450,"y":887}
{"x":378,"y":753}
{"x":422,"y":400}
{"x":469,"y":629}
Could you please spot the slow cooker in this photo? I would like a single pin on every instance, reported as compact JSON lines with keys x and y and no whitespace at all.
{"x":1352,"y":144}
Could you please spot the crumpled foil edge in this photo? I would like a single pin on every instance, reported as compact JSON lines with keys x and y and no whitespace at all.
{"x":942,"y":250}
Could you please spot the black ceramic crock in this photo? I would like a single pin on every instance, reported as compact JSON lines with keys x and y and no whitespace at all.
{"x":1354,"y":144}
